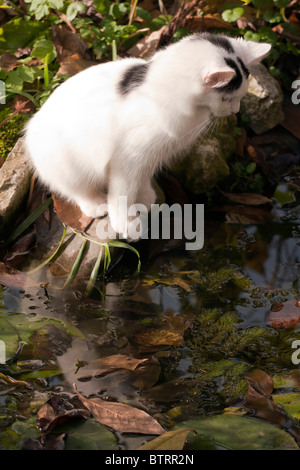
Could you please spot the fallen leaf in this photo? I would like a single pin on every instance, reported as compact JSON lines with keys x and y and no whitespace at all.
{"x":105,"y":365}
{"x":14,"y":278}
{"x":70,"y":214}
{"x":249,"y":199}
{"x":206,"y":22}
{"x":56,"y":411}
{"x":8,"y":61}
{"x":260,"y":381}
{"x":74,"y":64}
{"x":246,"y":215}
{"x":284,"y":315}
{"x":120,"y":417}
{"x":146,"y":46}
{"x":172,"y":440}
{"x":157,"y":337}
{"x":22,"y":105}
{"x":20,"y":249}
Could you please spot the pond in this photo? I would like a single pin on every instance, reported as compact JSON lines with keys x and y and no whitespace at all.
{"x":205,"y":340}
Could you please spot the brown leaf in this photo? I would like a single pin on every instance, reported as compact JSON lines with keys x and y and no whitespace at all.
{"x":245,"y":214}
{"x":1,"y":161}
{"x":146,"y":47}
{"x":261,"y":381}
{"x":74,"y":64}
{"x":70,"y":214}
{"x":157,"y":337}
{"x":68,"y":43}
{"x":15,"y":278}
{"x":207,"y":22}
{"x":249,"y":199}
{"x":56,"y":411}
{"x":120,"y":417}
{"x":105,"y":365}
{"x":8,"y":61}
{"x":20,"y":249}
{"x":285,"y":315}
{"x":22,"y":105}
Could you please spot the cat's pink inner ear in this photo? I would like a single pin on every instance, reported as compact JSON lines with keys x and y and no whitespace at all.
{"x":218,"y":79}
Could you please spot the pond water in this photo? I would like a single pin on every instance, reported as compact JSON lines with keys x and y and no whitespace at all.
{"x":214,"y":329}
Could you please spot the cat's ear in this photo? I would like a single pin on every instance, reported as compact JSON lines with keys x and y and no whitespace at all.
{"x":255,"y":52}
{"x":218,"y":77}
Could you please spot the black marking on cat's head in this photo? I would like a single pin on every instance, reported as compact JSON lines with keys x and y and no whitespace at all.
{"x":219,"y":40}
{"x":243,"y":67}
{"x":133,"y":77}
{"x":235,"y":82}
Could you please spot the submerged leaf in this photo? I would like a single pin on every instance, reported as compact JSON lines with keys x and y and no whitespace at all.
{"x":157,"y":337}
{"x":120,"y":417}
{"x":172,"y":440}
{"x":241,"y":433}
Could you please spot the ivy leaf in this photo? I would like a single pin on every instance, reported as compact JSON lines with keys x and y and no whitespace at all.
{"x":44,"y":49}
{"x":281,"y":3}
{"x":14,"y":81}
{"x":74,"y":9}
{"x":56,"y":4}
{"x":41,"y":11}
{"x":232,"y":15}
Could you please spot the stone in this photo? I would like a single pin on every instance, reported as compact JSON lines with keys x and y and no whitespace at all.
{"x":205,"y":165}
{"x":15,"y":176}
{"x":263,"y":102}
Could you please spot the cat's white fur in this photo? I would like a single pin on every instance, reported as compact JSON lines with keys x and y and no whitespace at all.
{"x":88,"y":139}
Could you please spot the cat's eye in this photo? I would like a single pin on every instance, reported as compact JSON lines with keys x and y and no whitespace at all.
{"x":226,"y":99}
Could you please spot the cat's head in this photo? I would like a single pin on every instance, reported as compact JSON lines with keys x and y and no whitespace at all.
{"x":225,"y":71}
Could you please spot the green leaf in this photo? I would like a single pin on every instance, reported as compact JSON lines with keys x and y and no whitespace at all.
{"x":241,"y":433}
{"x":172,"y":440}
{"x":145,"y":15}
{"x":14,"y":80}
{"x":42,"y":48}
{"x":19,"y":33}
{"x":56,"y":4}
{"x":251,"y":168}
{"x":102,"y":5}
{"x":272,"y":17}
{"x":290,"y":402}
{"x":87,"y":435}
{"x":41,"y":11}
{"x":250,"y":36}
{"x":27,"y":74}
{"x":232,"y":15}
{"x":73,"y":10}
{"x":281,"y":3}
{"x":28,"y":221}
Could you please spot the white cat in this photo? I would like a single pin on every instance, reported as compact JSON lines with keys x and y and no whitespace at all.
{"x":109,"y":128}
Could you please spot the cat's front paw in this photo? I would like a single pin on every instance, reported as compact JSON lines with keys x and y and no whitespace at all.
{"x":130,"y":230}
{"x":93,"y":210}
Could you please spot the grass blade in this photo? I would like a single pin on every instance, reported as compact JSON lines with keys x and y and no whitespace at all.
{"x":50,"y":257}
{"x":119,"y":244}
{"x":76,"y":265}
{"x":93,"y":277}
{"x":28,"y":221}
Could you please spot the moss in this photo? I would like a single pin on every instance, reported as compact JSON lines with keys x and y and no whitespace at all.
{"x":10,"y":132}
